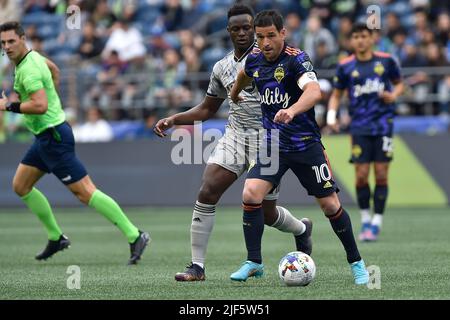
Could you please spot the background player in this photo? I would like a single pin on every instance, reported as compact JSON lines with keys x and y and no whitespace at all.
{"x":289,"y":89}
{"x":231,"y":156}
{"x":373,"y":82}
{"x":53,"y":149}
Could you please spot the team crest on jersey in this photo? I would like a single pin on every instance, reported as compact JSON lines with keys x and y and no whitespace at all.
{"x":256,"y":74}
{"x":279,"y":74}
{"x":379,"y":68}
{"x":355,"y":74}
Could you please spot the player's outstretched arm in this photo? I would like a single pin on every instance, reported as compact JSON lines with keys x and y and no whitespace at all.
{"x":333,"y":106}
{"x":241,"y":82}
{"x":201,"y":112}
{"x":38,"y":104}
{"x":54,"y":71}
{"x":311,"y":95}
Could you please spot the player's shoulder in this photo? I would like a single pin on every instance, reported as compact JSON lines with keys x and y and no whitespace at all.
{"x":255,"y":54}
{"x":222,"y":63}
{"x":381,"y":55}
{"x":347,"y":60}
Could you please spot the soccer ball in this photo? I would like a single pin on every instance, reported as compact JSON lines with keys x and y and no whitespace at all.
{"x":297,"y":269}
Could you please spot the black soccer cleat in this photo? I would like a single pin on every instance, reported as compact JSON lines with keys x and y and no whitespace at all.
{"x":193,"y":272}
{"x":303,"y":242}
{"x":137,"y":247}
{"x":53,"y":247}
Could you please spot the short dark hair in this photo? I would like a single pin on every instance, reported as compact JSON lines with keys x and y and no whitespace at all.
{"x":239,"y":9}
{"x":13,"y":25}
{"x":266,"y":18}
{"x":360,"y":27}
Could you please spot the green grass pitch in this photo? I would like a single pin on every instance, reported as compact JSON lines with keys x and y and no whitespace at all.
{"x":413,"y":255}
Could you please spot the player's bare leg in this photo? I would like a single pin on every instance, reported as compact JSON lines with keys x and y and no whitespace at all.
{"x":379,"y":199}
{"x":87,"y":193}
{"x":282,"y":219}
{"x":23,"y":185}
{"x":342,"y":227}
{"x":363,"y":197}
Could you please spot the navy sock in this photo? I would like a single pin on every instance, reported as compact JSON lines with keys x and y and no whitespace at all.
{"x":253,"y":223}
{"x":342,"y":226}
{"x":379,"y":198}
{"x":363,"y":196}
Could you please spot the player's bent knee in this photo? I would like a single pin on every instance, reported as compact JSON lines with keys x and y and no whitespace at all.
{"x":329,"y":205}
{"x":20,"y":189}
{"x":208,"y":195}
{"x":252,"y":195}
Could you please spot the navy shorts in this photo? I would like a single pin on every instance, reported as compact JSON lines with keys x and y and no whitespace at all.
{"x":366,"y":149}
{"x":311,"y":167}
{"x":53,"y":151}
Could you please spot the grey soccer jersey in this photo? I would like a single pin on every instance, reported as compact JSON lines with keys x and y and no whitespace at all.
{"x":245,"y":114}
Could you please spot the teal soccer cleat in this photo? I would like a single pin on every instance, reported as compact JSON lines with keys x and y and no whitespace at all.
{"x":248,"y":269}
{"x":360,"y":273}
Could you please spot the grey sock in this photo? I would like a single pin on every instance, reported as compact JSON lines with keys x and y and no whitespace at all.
{"x":202,"y":224}
{"x":286,"y":222}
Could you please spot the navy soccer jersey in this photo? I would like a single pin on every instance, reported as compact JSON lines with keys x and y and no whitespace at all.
{"x":277,"y":85}
{"x":364,"y":81}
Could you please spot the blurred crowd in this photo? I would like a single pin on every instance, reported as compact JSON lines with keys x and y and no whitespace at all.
{"x":143,"y":59}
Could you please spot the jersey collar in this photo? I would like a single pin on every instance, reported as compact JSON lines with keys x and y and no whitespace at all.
{"x":245,"y":53}
{"x":23,"y":58}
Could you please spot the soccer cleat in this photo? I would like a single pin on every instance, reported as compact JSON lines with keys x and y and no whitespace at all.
{"x":53,"y":247}
{"x":193,"y":272}
{"x":363,"y":234}
{"x":138,"y":247}
{"x":372,"y":233}
{"x":360,"y":274}
{"x":303,"y":242}
{"x":248,"y":269}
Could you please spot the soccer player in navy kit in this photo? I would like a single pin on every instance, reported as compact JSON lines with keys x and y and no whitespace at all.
{"x":373,"y":82}
{"x":289,"y":89}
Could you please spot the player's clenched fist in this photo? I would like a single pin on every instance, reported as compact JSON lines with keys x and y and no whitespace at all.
{"x":283,"y":116}
{"x":163,"y":125}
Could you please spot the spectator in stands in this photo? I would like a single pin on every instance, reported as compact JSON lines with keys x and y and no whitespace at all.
{"x":91,"y":46}
{"x":170,"y":91}
{"x":145,"y":130}
{"x":343,"y":35}
{"x":173,"y":14}
{"x":294,"y":33}
{"x":392,"y":25}
{"x":96,"y":129}
{"x":37,"y":44}
{"x":127,"y":41}
{"x":325,"y":59}
{"x":103,"y":18}
{"x":314,"y":34}
{"x":443,"y":28}
{"x":10,"y":10}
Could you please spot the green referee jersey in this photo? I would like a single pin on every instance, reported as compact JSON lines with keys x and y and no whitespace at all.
{"x":31,"y":75}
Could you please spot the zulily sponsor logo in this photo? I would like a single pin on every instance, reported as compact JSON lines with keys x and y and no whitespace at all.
{"x":275,"y":97}
{"x":370,"y":86}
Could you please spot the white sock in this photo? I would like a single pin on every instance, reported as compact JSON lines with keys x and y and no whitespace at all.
{"x":286,"y":222}
{"x":365,"y":216}
{"x":201,"y":227}
{"x":377,"y":220}
{"x":199,"y":264}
